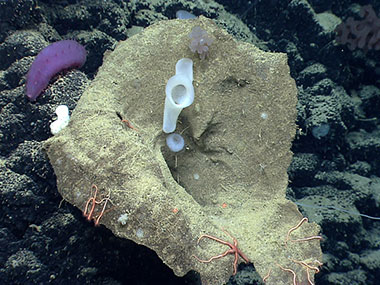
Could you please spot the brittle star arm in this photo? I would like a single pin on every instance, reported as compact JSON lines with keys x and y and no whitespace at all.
{"x":89,"y":214}
{"x":92,"y":200}
{"x":301,"y":239}
{"x":217,"y":256}
{"x":106,"y":199}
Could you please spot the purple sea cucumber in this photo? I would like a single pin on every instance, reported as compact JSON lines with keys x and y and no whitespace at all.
{"x":55,"y":57}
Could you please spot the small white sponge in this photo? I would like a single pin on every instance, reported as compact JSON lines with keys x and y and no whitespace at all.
{"x":175,"y":142}
{"x":62,"y":121}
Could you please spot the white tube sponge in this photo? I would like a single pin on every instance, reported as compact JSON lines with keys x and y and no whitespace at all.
{"x":179,"y":93}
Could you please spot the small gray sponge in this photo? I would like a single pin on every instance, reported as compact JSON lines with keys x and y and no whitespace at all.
{"x":175,"y":142}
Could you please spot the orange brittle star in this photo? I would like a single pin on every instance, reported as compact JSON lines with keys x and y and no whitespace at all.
{"x":93,"y":202}
{"x":308,"y":265}
{"x":233,"y":250}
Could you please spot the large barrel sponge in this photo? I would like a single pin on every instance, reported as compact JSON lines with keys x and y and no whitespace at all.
{"x":231,"y":176}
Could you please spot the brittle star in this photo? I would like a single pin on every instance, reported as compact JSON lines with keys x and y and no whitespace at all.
{"x":92,"y":200}
{"x":307,"y":265}
{"x":234,"y":250}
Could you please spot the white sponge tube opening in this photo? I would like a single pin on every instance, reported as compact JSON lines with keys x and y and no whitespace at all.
{"x":179,"y":94}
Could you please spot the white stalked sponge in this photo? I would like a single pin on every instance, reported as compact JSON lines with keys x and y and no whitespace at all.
{"x":175,"y":142}
{"x":179,"y":93}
